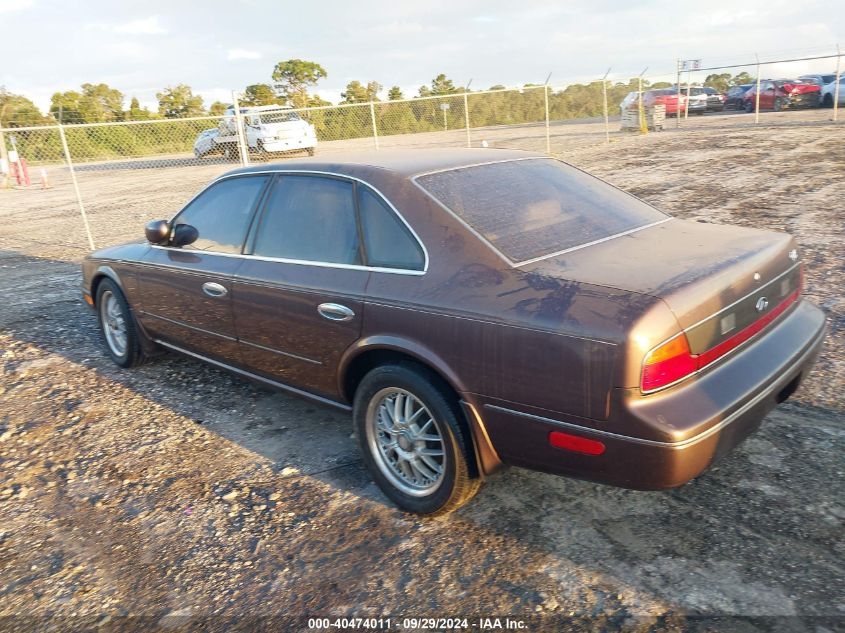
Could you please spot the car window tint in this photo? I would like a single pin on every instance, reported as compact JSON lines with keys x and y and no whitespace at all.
{"x":309,"y":218}
{"x":533,"y":208}
{"x":388,"y":241}
{"x":221,"y":214}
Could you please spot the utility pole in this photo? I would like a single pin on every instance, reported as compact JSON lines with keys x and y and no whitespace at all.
{"x":466,"y":111}
{"x":643,"y":124}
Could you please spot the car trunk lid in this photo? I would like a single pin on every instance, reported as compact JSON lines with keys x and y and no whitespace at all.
{"x":717,"y":280}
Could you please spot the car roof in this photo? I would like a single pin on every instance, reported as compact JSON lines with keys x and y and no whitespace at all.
{"x":403,"y":162}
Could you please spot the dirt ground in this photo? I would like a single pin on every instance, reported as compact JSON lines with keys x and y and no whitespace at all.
{"x":178,"y":496}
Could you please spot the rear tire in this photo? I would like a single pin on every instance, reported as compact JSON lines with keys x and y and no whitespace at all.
{"x":749,"y":107}
{"x":117,"y":326}
{"x":412,"y":440}
{"x":828,"y":101}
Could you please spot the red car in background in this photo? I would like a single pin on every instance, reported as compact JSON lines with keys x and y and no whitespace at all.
{"x":667,"y":97}
{"x":780,"y":94}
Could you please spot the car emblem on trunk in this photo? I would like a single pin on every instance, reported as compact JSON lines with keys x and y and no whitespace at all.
{"x":762,"y":304}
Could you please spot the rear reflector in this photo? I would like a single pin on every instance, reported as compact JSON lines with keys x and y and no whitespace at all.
{"x":575,"y":443}
{"x":672,"y":361}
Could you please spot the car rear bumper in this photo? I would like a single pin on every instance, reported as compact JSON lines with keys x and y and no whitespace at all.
{"x":288,"y":144}
{"x":806,"y":100}
{"x":681,"y":432}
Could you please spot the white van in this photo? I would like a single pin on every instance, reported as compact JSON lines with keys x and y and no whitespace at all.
{"x":270,"y":128}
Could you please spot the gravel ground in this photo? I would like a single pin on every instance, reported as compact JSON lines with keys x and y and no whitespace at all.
{"x":178,"y":496}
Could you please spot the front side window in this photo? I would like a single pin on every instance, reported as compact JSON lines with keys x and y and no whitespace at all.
{"x":388,"y":242}
{"x":309,"y":218}
{"x":529,"y":209}
{"x":221,"y":214}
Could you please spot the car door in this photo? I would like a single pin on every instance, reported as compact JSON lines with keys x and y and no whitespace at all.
{"x":298,"y":296}
{"x":185,"y":292}
{"x":767,"y":96}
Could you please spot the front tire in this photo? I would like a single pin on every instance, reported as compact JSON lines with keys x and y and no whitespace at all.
{"x":412,"y":440}
{"x":117,"y":325}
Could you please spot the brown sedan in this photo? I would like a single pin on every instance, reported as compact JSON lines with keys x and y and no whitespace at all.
{"x":473,"y":308}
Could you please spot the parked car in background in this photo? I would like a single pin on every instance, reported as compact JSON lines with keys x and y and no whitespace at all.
{"x":781,"y":94}
{"x":820,"y":80}
{"x":735,"y":97}
{"x":473,"y":308}
{"x":829,"y":93}
{"x":715,"y":99}
{"x":205,"y":144}
{"x":697,"y":99}
{"x":267,"y":129}
{"x":659,"y":96}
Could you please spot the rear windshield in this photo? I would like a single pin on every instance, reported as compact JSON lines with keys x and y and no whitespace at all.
{"x":279,"y":117}
{"x":534,"y":208}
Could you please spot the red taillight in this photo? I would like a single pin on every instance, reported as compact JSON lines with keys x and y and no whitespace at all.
{"x":672,"y":361}
{"x":575,"y":443}
{"x":667,"y":363}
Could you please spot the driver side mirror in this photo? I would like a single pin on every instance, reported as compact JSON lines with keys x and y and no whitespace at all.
{"x":157,"y":231}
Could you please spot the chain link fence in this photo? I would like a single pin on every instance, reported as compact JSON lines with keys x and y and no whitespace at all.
{"x":77,"y":187}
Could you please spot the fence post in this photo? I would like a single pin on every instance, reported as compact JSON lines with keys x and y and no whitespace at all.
{"x":466,"y":118}
{"x":373,"y":119}
{"x":678,"y":104}
{"x":76,"y":186}
{"x":548,"y":137}
{"x":239,"y":122}
{"x":5,"y":167}
{"x":604,"y":105}
{"x":757,"y":93}
{"x":836,"y":85}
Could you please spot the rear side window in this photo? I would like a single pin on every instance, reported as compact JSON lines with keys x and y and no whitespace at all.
{"x":221,"y":214}
{"x":387,"y":241}
{"x":533,"y":208}
{"x":309,"y":218}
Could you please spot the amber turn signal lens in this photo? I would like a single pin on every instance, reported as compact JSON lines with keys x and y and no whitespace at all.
{"x":668,"y":363}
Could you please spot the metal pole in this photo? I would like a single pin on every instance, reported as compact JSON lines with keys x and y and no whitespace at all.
{"x":466,"y":118}
{"x":678,"y":105}
{"x":4,"y":154}
{"x":643,"y":124}
{"x":373,"y":120}
{"x":686,"y":105}
{"x":546,"y":99}
{"x":76,"y":186}
{"x":239,"y":120}
{"x":757,"y":92}
{"x":836,"y":86}
{"x":604,"y":105}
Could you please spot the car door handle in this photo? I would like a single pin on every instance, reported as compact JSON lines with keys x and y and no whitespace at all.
{"x":335,"y":312}
{"x":214,"y":290}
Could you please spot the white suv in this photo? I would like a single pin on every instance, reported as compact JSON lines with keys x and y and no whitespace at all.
{"x":270,"y":128}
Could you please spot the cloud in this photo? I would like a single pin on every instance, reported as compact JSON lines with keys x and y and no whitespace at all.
{"x":145,"y":26}
{"x":242,"y":53}
{"x":7,"y":6}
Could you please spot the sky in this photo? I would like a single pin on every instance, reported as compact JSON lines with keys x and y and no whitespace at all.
{"x":215,"y":47}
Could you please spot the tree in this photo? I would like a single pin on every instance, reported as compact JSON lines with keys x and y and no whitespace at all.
{"x":17,"y":110}
{"x":497,"y":87}
{"x":358,"y":93}
{"x":440,"y":85}
{"x":293,"y":77}
{"x":720,"y":82}
{"x":100,"y":103}
{"x":259,"y":95}
{"x":742,"y":78}
{"x":64,"y":106}
{"x":661,"y":84}
{"x":395,"y":94}
{"x":136,"y":112}
{"x":179,"y":102}
{"x":218,"y":108}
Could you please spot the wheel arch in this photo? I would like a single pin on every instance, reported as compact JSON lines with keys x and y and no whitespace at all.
{"x":375,"y":351}
{"x":104,"y":272}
